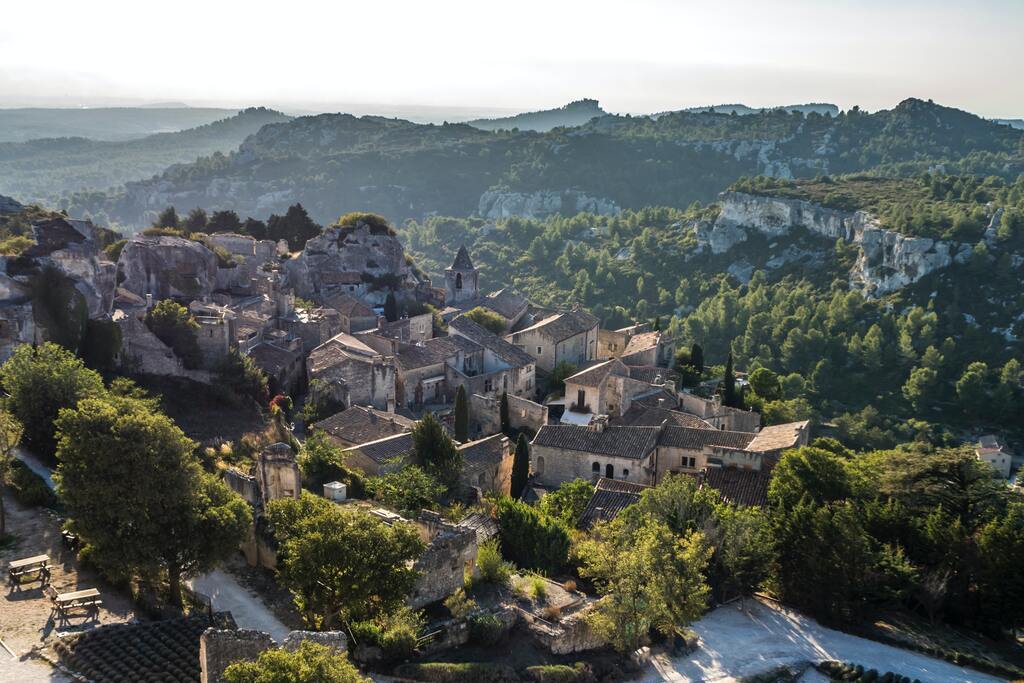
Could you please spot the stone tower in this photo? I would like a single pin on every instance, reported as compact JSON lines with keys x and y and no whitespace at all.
{"x":461,"y":279}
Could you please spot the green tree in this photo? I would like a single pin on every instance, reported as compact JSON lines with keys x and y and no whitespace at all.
{"x":224,"y":221}
{"x":168,"y":218}
{"x":973,"y":389}
{"x":10,"y":436}
{"x":342,"y":564}
{"x":435,"y":451}
{"x":568,"y":501}
{"x":556,"y":381}
{"x":697,"y":357}
{"x":196,"y":221}
{"x":743,"y":551}
{"x":489,"y":320}
{"x":503,"y":416}
{"x":409,"y":488}
{"x":530,"y":538}
{"x":295,"y":226}
{"x":765,"y":384}
{"x":243,"y":378}
{"x":169,"y":515}
{"x":40,"y":381}
{"x":175,"y":326}
{"x":730,"y":397}
{"x":520,"y":467}
{"x":921,"y":387}
{"x":649,"y":577}
{"x":811,"y":473}
{"x":390,"y":307}
{"x":310,"y":663}
{"x":461,"y":415}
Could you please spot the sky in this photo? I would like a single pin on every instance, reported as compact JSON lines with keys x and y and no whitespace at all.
{"x":478,"y":57}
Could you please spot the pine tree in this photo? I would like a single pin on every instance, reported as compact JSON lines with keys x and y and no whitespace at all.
{"x":729,"y":397}
{"x":506,"y":426}
{"x":520,"y":467}
{"x":391,"y":308}
{"x":168,"y":218}
{"x":461,"y":415}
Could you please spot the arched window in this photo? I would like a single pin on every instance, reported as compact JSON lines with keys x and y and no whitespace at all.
{"x":540,"y":464}
{"x":458,"y":280}
{"x":609,"y":471}
{"x":625,"y":474}
{"x":596,"y":468}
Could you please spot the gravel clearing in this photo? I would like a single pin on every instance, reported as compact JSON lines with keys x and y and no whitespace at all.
{"x":735,"y":643}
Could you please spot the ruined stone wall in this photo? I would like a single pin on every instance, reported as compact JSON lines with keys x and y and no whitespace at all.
{"x":218,"y":648}
{"x":524,"y":414}
{"x":143,"y":353}
{"x":442,"y":566}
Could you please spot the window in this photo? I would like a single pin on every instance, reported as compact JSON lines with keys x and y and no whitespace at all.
{"x":625,"y":474}
{"x":609,"y":471}
{"x":488,"y":385}
{"x":689,"y":462}
{"x":540,"y":464}
{"x":458,"y":280}
{"x":596,"y":468}
{"x":540,"y":350}
{"x":581,"y":398}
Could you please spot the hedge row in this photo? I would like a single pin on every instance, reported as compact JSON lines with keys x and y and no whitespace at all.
{"x":840,"y":671}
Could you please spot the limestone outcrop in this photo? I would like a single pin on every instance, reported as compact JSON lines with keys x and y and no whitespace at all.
{"x":9,"y":205}
{"x":167,"y":267}
{"x":494,"y":204}
{"x":888,"y":260}
{"x":360,"y":255}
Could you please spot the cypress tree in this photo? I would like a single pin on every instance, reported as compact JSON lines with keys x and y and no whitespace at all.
{"x":461,"y":415}
{"x":729,"y":385}
{"x":391,"y":308}
{"x":697,"y":358}
{"x":520,"y":467}
{"x":506,"y":426}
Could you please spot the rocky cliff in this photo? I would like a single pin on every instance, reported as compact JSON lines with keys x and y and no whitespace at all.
{"x":360,"y":254}
{"x":888,"y":260}
{"x":167,"y":267}
{"x":494,"y":204}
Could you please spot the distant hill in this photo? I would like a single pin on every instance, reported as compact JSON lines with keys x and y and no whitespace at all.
{"x":573,"y":114}
{"x":822,"y":108}
{"x":43,"y":170}
{"x":337,"y":162}
{"x":1012,"y":123}
{"x":116,"y":123}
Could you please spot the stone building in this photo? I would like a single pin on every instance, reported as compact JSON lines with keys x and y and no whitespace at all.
{"x":352,"y":373}
{"x":449,"y":556}
{"x":356,"y":316}
{"x":523,"y":414}
{"x":636,"y":345}
{"x":282,"y":362}
{"x":361,"y":424}
{"x":569,"y":337}
{"x":611,"y":496}
{"x":487,"y":464}
{"x":718,"y":416}
{"x":502,"y":367}
{"x":991,"y":450}
{"x":461,"y":279}
{"x":609,"y":388}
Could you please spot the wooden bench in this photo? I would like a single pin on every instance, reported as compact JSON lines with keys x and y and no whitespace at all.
{"x":88,"y":599}
{"x":40,"y":564}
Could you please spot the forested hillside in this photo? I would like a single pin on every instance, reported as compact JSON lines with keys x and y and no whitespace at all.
{"x":944,"y":350}
{"x":102,"y":123}
{"x":45,"y":169}
{"x":405,"y":170}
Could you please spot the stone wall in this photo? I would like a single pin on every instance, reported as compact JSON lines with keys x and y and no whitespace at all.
{"x":442,"y":566}
{"x":555,"y":466}
{"x":523,"y":414}
{"x":143,"y":353}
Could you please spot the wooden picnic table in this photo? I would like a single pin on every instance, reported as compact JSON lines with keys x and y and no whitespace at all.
{"x":28,"y":565}
{"x":77,"y":598}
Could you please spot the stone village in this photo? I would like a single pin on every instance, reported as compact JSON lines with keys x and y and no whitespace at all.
{"x":315,"y":323}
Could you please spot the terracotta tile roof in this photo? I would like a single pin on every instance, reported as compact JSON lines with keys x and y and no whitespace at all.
{"x":273,"y":359}
{"x":777,"y":437}
{"x":648,"y":373}
{"x":642,"y":342}
{"x":738,"y":486}
{"x":611,"y":497}
{"x":565,"y":325}
{"x":690,"y":438}
{"x":359,"y":425}
{"x":640,"y":415}
{"x":485,"y":526}
{"x":382,"y":451}
{"x":623,"y":442}
{"x":505,"y":303}
{"x":433,"y":351}
{"x":483,"y":453}
{"x":596,"y":374}
{"x":349,"y":306}
{"x":511,"y":354}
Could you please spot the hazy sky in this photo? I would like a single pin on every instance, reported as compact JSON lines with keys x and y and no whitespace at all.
{"x":633,"y":55}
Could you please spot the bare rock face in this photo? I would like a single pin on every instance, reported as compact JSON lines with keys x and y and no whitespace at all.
{"x":9,"y":205}
{"x":167,"y":267}
{"x":888,"y":261}
{"x":495,"y":204}
{"x":362,"y":252}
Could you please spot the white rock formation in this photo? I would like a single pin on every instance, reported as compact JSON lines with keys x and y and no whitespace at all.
{"x":167,"y":267}
{"x":888,"y":262}
{"x":494,"y":204}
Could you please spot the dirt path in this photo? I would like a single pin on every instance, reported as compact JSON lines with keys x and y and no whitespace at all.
{"x":735,"y":644}
{"x":247,"y":608}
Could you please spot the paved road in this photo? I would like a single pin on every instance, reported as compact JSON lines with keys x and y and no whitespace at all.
{"x":246,"y":607}
{"x":36,"y":465}
{"x":28,"y":671}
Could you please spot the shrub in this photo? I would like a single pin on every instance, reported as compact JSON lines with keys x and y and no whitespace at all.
{"x":15,"y":245}
{"x":493,"y":567}
{"x":459,"y":604}
{"x":366,"y":633}
{"x":466,"y":672}
{"x":560,"y":673}
{"x":530,"y":538}
{"x":569,"y":586}
{"x":113,"y":251}
{"x":174,"y":325}
{"x":538,"y":588}
{"x":29,"y":488}
{"x":490,"y":321}
{"x":552,"y":613}
{"x":486,"y":629}
{"x":399,"y":641}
